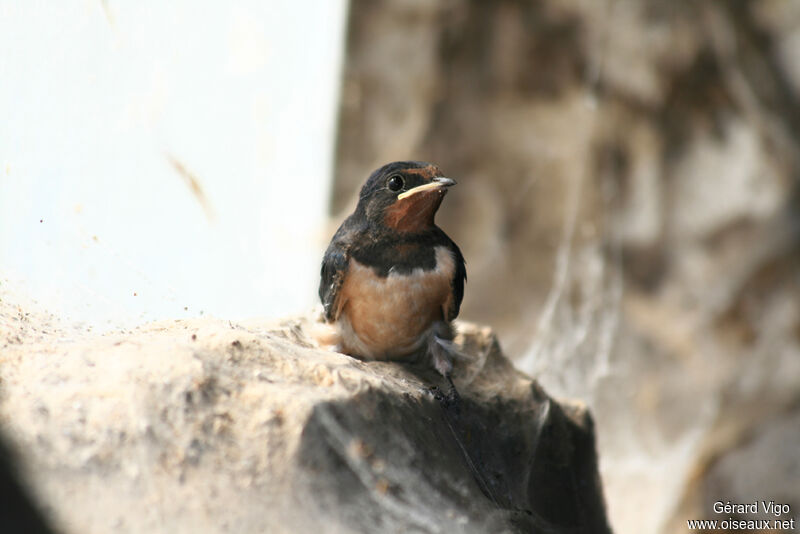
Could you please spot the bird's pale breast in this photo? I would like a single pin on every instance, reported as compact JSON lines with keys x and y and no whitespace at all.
{"x":387,"y":317}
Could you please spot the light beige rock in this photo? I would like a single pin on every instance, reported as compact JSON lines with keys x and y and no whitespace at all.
{"x":207,"y":425}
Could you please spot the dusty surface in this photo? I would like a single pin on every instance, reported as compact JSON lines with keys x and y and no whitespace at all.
{"x":211,"y":426}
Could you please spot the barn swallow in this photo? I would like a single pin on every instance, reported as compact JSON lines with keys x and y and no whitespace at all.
{"x":391,"y":280}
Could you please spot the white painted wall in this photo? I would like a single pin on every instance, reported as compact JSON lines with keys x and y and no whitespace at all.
{"x":96,"y":98}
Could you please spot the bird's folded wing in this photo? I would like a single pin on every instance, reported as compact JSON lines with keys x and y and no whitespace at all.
{"x":334,"y":270}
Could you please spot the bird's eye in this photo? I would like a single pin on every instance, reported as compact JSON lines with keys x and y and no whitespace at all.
{"x":395,"y":183}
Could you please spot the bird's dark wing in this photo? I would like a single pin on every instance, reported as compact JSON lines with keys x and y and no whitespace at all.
{"x":456,"y":284}
{"x":333,"y":272}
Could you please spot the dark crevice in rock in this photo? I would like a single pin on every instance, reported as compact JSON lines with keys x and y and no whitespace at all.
{"x":416,"y":464}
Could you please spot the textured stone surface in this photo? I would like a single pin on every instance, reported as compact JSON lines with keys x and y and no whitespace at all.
{"x":206,"y":425}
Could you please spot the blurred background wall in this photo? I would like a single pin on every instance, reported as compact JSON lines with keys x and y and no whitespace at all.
{"x":162,"y":160}
{"x":627,"y":203}
{"x":628,"y":207}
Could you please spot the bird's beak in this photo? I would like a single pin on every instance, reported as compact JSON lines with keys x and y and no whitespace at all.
{"x":437,"y":183}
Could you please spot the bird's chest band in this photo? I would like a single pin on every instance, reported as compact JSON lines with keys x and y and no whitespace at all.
{"x":387,"y":316}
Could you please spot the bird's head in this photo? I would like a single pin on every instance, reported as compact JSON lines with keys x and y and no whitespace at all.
{"x":404,"y":195}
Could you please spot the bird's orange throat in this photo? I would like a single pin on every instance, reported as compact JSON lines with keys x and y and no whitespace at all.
{"x":414,"y":213}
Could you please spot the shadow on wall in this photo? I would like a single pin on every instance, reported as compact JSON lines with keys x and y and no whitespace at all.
{"x":628,"y":208}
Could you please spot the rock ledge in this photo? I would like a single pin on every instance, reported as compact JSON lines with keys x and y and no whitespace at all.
{"x":206,"y":425}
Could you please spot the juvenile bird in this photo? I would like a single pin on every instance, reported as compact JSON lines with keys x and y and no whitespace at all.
{"x":392,"y":281}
